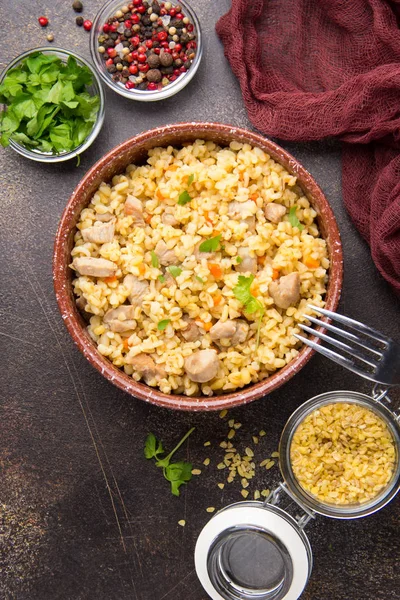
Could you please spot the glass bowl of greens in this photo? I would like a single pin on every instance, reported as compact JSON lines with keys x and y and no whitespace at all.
{"x":52,"y":105}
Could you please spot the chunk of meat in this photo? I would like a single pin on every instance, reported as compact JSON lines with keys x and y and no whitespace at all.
{"x":145,"y":365}
{"x":134,"y":207}
{"x":121,"y":319}
{"x":99,"y":234}
{"x":166,"y":257}
{"x":168,"y":219}
{"x":241,"y":210}
{"x":105,"y":217}
{"x":81,"y":304}
{"x":192,"y":332}
{"x":94,"y":267}
{"x":229,"y":333}
{"x":249,"y":262}
{"x":285,"y":291}
{"x":274,"y":212}
{"x":168,"y":281}
{"x":202,"y":366}
{"x":137,"y":289}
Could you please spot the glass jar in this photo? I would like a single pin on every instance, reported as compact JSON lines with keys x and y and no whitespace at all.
{"x":259,"y":551}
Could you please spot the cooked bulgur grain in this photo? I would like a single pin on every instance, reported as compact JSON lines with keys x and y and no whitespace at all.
{"x":343,"y":453}
{"x":157,"y":300}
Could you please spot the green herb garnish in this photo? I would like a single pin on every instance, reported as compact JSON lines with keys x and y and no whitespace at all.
{"x":154,"y":260}
{"x":191,"y":179}
{"x":210,"y":245}
{"x":251,"y":304}
{"x":175,"y":271}
{"x":163,"y":324}
{"x":293,"y":220}
{"x":199,"y":279}
{"x":48,"y":107}
{"x":184,"y":198}
{"x":176,"y":473}
{"x":239,"y":260}
{"x":161,"y":278}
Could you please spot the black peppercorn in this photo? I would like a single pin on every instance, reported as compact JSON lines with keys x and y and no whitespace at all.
{"x":77,"y":6}
{"x":167,"y":70}
{"x":79,"y":21}
{"x":154,"y":75}
{"x":178,"y":62}
{"x":187,"y":64}
{"x":114,"y":35}
{"x":156,"y":7}
{"x":153,"y":61}
{"x":111,"y":68}
{"x":142,"y":86}
{"x":166,"y":59}
{"x":125,"y":72}
{"x":127,"y":33}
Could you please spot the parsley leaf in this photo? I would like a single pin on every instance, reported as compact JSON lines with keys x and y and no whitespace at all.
{"x":47,"y":105}
{"x":176,"y":473}
{"x":199,"y":279}
{"x":191,"y":179}
{"x":293,"y":220}
{"x":154,"y":260}
{"x":161,"y":278}
{"x":152,"y":448}
{"x":163,"y":324}
{"x":184,"y":198}
{"x":210,"y":245}
{"x":239,"y":260}
{"x":251,"y":304}
{"x":175,"y":271}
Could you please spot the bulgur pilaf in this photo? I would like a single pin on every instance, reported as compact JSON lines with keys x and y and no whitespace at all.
{"x":343,"y":453}
{"x":166,"y":307}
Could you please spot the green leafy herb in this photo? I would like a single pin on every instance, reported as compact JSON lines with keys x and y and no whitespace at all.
{"x":154,"y":260}
{"x":152,"y":448}
{"x":161,"y":278}
{"x":184,"y":198}
{"x":251,"y":304}
{"x":293,"y":220}
{"x":239,"y":260}
{"x":163,"y":324}
{"x":199,"y":279}
{"x":175,"y":271}
{"x":210,"y":245}
{"x":48,"y":107}
{"x":191,"y":179}
{"x":176,"y":473}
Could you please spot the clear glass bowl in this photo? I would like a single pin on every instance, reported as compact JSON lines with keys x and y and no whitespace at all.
{"x":348,"y":511}
{"x":95,"y":88}
{"x":108,"y":9}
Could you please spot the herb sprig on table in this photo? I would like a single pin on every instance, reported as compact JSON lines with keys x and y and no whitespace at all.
{"x":48,"y":107}
{"x":177,"y":473}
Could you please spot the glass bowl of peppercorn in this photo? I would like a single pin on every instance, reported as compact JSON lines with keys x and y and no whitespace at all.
{"x":146,"y":50}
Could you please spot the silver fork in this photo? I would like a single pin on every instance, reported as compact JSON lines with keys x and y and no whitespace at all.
{"x":379,"y":360}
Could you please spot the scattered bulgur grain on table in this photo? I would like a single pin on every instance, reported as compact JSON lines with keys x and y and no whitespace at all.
{"x":206,"y":462}
{"x":196,"y":471}
{"x":210,"y":509}
{"x":182,"y":522}
{"x":223,"y":413}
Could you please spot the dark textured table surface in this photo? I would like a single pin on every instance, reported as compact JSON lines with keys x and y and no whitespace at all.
{"x":84,"y":515}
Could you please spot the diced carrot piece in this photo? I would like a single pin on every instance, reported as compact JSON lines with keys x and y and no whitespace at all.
{"x":255,"y":290}
{"x":172,"y":168}
{"x":111,"y":279}
{"x":215,"y":270}
{"x":148,"y":218}
{"x":311,"y":263}
{"x":142,"y":269}
{"x":217,"y":299}
{"x":206,"y":326}
{"x":159,"y":195}
{"x":126,"y":344}
{"x":275,"y":274}
{"x":261,"y":260}
{"x":254,"y":197}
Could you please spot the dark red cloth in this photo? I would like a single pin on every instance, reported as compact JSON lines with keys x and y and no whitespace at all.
{"x":312,"y":69}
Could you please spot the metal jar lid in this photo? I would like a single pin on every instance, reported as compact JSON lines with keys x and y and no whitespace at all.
{"x":259,"y":551}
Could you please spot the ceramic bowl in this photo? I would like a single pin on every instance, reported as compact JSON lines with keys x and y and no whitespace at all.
{"x":135,"y":150}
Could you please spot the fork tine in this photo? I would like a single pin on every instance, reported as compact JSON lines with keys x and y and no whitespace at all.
{"x":346,"y":334}
{"x":351,"y":323}
{"x":341,"y":345}
{"x":341,"y":360}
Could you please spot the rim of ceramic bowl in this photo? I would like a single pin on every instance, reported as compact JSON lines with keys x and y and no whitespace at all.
{"x":115,"y":162}
{"x":143,"y":95}
{"x":56,"y":158}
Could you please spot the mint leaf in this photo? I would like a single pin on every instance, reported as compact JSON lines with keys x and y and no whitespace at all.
{"x":184,"y":198}
{"x":154,"y":260}
{"x":161,"y":325}
{"x":293,"y":220}
{"x":210,"y":245}
{"x":175,"y":271}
